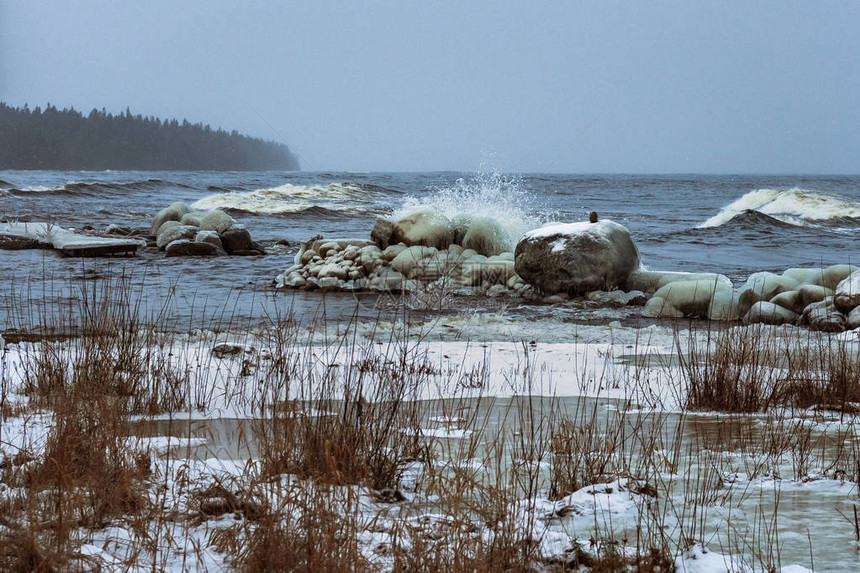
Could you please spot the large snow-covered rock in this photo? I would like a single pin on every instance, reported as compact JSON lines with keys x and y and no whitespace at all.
{"x":577,"y":257}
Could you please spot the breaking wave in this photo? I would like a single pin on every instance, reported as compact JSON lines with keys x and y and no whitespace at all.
{"x":798,"y":207}
{"x":307,"y":199}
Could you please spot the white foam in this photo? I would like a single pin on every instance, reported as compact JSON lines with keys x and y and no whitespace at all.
{"x":291,"y":199}
{"x":793,"y":206}
{"x":33,"y":189}
{"x":484,"y":194}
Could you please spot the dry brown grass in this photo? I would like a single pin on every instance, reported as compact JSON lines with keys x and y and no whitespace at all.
{"x":330,"y":432}
{"x":756,"y":368}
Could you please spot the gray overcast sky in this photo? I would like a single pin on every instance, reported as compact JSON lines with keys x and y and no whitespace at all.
{"x":685,"y":86}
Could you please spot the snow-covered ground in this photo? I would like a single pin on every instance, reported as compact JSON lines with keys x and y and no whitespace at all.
{"x":719,"y":503}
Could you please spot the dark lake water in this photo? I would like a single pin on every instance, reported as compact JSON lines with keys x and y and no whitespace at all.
{"x":735,"y":225}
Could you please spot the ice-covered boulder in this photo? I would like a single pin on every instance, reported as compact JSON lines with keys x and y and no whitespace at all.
{"x":387,"y":279}
{"x":216,"y":220}
{"x":804,"y":275}
{"x":649,"y":281}
{"x":765,"y":312}
{"x":810,"y":293}
{"x":237,"y":241}
{"x":797,"y":300}
{"x":382,"y":231}
{"x":333,"y":270}
{"x":618,"y":298}
{"x":479,"y":270}
{"x":210,"y":237}
{"x":853,"y":320}
{"x":825,"y":319}
{"x":193,"y":218}
{"x":391,"y":251}
{"x":189,"y":248}
{"x":790,"y":299}
{"x":577,"y":257}
{"x":323,"y":246}
{"x":411,"y":257}
{"x":691,"y":298}
{"x":763,"y":286}
{"x":305,"y":257}
{"x":487,"y":237}
{"x":724,"y":304}
{"x":174,"y":212}
{"x":438,"y":265}
{"x":658,"y":307}
{"x":835,"y":274}
{"x":173,"y":231}
{"x":424,"y":228}
{"x":827,"y":303}
{"x":846,"y":296}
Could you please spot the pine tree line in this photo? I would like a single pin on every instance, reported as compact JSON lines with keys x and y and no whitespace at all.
{"x":67,"y":140}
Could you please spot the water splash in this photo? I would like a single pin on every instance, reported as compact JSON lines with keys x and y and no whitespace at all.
{"x":486,"y":193}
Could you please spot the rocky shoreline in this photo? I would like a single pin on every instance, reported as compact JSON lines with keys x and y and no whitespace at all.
{"x":598,"y":260}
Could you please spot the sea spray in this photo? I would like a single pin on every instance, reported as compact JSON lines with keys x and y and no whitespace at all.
{"x":489,"y":194}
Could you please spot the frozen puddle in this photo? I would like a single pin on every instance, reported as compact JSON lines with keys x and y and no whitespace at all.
{"x":737,"y":482}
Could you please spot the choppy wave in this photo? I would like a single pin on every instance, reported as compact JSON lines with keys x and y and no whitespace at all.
{"x":757,"y":220}
{"x":308,"y":199}
{"x":92,"y":188}
{"x":799,"y":207}
{"x":484,"y":194}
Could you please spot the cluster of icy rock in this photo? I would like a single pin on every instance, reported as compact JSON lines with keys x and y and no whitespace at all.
{"x":823,"y":299}
{"x":422,"y":251}
{"x":181,"y":231}
{"x":354,"y":264}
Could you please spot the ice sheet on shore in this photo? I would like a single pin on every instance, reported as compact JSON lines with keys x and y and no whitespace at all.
{"x":65,"y":239}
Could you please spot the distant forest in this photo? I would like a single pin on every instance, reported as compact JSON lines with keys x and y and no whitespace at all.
{"x":66,"y":139}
